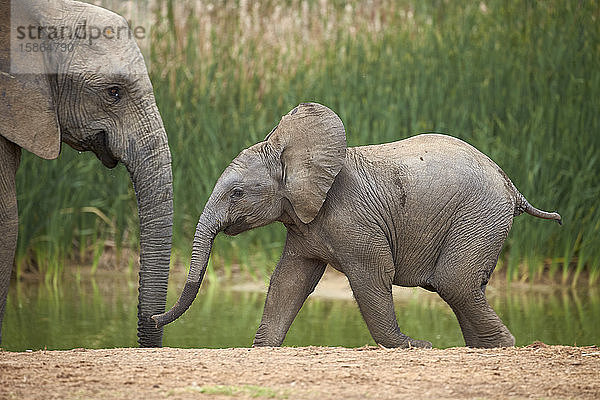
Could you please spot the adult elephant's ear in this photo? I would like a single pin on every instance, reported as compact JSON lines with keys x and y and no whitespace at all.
{"x":28,"y":115}
{"x":311,"y":141}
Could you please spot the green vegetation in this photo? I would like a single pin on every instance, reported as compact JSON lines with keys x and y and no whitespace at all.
{"x":519,"y":80}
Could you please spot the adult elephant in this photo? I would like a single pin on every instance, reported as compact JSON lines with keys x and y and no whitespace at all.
{"x":75,"y":74}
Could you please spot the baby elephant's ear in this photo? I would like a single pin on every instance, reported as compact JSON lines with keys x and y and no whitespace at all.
{"x":311,"y":141}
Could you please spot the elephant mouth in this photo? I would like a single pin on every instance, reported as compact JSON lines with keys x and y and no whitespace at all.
{"x":108,"y":162}
{"x":99,"y":146}
{"x":238,"y":226}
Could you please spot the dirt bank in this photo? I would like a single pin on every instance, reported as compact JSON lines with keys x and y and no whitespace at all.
{"x":536,"y":371}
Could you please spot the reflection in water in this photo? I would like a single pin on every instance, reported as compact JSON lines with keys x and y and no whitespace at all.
{"x":101,"y":312}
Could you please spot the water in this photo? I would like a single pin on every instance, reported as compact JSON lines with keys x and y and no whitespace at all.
{"x":101,"y":312}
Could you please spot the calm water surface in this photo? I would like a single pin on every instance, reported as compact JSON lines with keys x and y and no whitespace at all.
{"x":101,"y":312}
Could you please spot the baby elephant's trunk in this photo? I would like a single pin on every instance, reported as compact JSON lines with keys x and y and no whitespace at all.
{"x":203,"y":241}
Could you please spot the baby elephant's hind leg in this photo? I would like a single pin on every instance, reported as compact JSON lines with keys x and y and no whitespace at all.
{"x":371,"y":283}
{"x":462,"y":271}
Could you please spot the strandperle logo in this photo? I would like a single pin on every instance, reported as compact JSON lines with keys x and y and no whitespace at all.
{"x":82,"y":31}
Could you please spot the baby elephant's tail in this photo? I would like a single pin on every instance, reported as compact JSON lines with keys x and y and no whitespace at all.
{"x":522,"y":205}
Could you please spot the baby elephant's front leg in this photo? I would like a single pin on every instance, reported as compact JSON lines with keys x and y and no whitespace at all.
{"x":292,"y":281}
{"x":374,"y":298}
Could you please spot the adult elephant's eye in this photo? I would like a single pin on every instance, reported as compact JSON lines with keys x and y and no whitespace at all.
{"x":237,"y":193}
{"x":114,"y":92}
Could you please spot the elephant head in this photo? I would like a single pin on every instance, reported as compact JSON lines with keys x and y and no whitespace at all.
{"x":89,"y":87}
{"x":284,"y":178}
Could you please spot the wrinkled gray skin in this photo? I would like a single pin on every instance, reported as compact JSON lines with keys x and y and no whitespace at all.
{"x":95,"y":97}
{"x":428,"y":211}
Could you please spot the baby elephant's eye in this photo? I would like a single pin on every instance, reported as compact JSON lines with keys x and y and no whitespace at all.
{"x":114,"y":92}
{"x":237,"y":193}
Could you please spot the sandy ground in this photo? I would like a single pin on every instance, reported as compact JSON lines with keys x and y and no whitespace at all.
{"x":536,"y":371}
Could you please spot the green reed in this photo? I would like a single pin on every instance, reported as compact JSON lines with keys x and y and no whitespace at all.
{"x":519,"y":80}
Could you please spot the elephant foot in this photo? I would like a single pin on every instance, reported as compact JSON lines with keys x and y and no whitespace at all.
{"x":421,"y":344}
{"x":266,"y":337}
{"x":410,"y":343}
{"x":502,"y":339}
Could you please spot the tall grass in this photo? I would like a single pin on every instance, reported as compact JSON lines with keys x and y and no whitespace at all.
{"x":519,"y":80}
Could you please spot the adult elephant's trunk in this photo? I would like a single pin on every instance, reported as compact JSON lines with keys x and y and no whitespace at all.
{"x":203,"y":240}
{"x":148,"y":161}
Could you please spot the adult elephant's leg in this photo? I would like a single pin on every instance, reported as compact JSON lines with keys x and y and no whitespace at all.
{"x":292,"y":281}
{"x":371,"y":283}
{"x":461,"y":275}
{"x":10,"y":155}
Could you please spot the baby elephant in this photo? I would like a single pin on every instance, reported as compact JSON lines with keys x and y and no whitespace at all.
{"x":428,"y":211}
